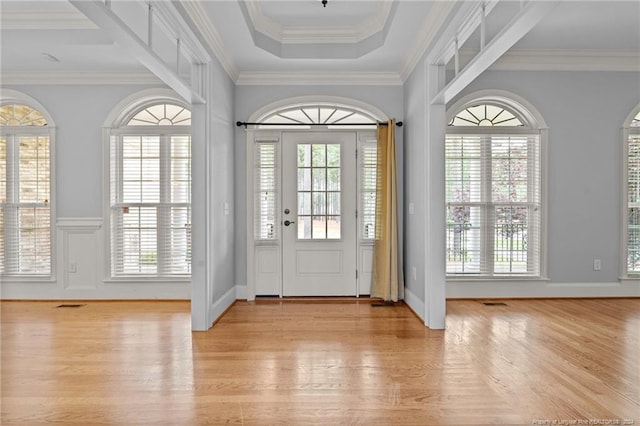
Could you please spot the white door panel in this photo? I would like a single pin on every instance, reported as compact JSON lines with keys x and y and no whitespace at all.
{"x":319,"y":199}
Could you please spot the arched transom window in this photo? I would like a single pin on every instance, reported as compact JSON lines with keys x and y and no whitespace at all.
{"x":162,"y":115}
{"x":318,"y":114}
{"x":25,"y":192}
{"x":20,"y":115}
{"x":493,"y":193}
{"x":150,"y":196}
{"x":485,"y":115}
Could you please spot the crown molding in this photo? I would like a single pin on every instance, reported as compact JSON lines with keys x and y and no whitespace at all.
{"x":266,"y":78}
{"x":43,"y":20}
{"x":77,"y":78}
{"x":201,"y":20}
{"x":434,"y":22}
{"x":565,"y":60}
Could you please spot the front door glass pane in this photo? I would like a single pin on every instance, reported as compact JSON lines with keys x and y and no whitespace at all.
{"x":319,"y":191}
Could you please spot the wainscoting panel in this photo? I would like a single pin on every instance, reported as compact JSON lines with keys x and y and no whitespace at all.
{"x":80,"y":253}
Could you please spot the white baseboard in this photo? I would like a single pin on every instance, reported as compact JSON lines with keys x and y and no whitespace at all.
{"x":539,"y":289}
{"x":221,"y":305}
{"x":102,"y":290}
{"x":241,"y":292}
{"x":416,"y":305}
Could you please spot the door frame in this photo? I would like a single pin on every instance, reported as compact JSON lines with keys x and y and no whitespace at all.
{"x":268,"y":254}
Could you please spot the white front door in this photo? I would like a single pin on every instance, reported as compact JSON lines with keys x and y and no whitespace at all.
{"x":319,"y":199}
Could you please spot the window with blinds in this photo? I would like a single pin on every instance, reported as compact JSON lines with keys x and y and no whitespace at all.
{"x":150,"y":195}
{"x":633,"y":199}
{"x":25,"y":192}
{"x":493,"y":196}
{"x":266,"y":190}
{"x":367,"y":156}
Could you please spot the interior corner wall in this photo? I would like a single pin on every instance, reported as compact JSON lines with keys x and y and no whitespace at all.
{"x":249,"y":99}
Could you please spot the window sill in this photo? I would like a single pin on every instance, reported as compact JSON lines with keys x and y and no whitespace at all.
{"x":27,"y":280}
{"x":452,"y":279}
{"x":148,"y":279}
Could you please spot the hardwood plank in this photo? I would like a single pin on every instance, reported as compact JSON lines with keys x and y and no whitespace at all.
{"x":320,"y":362}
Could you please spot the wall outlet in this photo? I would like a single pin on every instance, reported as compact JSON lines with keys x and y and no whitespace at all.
{"x":73,"y":267}
{"x":414,"y":273}
{"x":412,"y":208}
{"x":597,"y":264}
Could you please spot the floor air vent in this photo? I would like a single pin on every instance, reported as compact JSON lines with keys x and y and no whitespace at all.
{"x":69,"y":306}
{"x":494,"y":303}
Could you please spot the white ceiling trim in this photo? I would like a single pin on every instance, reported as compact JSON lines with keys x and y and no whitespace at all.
{"x":77,"y":78}
{"x":263,"y":78}
{"x":435,"y":20}
{"x":42,"y":20}
{"x":311,"y":35}
{"x":104,"y":17}
{"x":509,"y":35}
{"x":566,"y":60}
{"x":199,"y":16}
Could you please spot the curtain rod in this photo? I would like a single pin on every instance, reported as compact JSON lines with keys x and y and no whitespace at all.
{"x":245,"y":124}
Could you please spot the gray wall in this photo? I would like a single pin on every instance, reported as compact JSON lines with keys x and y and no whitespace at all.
{"x":584,"y":112}
{"x":415,"y":180}
{"x":249,"y":99}
{"x":222,"y":144}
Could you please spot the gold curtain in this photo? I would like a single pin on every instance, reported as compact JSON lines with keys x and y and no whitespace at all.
{"x":387,"y":281}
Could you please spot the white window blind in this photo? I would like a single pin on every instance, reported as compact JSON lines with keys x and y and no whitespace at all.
{"x":367,"y":155}
{"x":266,"y":190}
{"x":633,"y":204}
{"x":25,"y":193}
{"x":150,"y":178}
{"x":493,"y":195}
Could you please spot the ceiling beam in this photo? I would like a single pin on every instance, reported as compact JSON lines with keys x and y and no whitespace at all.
{"x":108,"y":21}
{"x":527,"y":18}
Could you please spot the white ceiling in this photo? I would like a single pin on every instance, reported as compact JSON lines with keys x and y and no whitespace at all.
{"x":348,"y":37}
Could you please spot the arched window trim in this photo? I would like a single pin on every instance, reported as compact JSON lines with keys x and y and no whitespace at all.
{"x":630,"y":128}
{"x":336,"y":114}
{"x":116,"y":126}
{"x":514,"y":113}
{"x":515,"y":104}
{"x":32,"y":118}
{"x":309,"y":101}
{"x":9,"y":96}
{"x":534,"y":124}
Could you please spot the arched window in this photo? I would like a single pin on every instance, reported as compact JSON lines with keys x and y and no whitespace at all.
{"x":150,"y":191}
{"x":318,"y":114}
{"x":631,"y":195}
{"x":25,"y":191}
{"x":493,"y":190}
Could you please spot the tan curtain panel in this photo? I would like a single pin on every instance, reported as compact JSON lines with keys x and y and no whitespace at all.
{"x":387,"y":280}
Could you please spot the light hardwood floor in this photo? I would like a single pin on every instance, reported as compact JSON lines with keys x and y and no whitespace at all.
{"x":276,"y":362}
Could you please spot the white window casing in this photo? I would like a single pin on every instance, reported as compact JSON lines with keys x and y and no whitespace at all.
{"x":150,"y":194}
{"x":26,"y":191}
{"x":495,"y":190}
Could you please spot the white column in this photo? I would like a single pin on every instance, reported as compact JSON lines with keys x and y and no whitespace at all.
{"x":434,"y":262}
{"x":200,"y":268}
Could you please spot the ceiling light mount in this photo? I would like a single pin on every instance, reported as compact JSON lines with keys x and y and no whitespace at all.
{"x":324,"y":3}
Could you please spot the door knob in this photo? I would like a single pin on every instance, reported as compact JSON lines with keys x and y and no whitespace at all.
{"x":288,"y":222}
